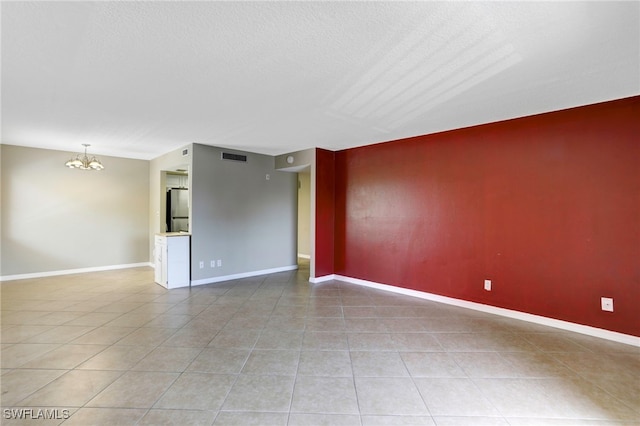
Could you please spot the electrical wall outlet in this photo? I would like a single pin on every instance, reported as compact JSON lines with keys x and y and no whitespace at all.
{"x":213,"y":263}
{"x":219,"y":262}
{"x":487,"y":285}
{"x":201,"y":264}
{"x":607,"y":304}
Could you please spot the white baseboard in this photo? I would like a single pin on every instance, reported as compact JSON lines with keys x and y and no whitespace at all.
{"x":304,"y":256}
{"x":213,"y":280}
{"x":316,"y":280}
{"x":73,"y":271}
{"x":551,"y":322}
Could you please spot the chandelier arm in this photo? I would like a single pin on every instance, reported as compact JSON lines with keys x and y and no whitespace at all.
{"x":83,"y":162}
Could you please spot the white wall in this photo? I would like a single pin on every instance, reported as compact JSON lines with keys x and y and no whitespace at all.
{"x":57,"y":219}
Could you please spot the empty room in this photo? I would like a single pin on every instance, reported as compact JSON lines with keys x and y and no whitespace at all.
{"x":320,"y":213}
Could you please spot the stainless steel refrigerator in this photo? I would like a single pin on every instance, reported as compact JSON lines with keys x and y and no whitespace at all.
{"x":178,"y":210}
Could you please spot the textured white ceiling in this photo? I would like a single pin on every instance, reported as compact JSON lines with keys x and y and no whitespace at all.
{"x":138,"y":79}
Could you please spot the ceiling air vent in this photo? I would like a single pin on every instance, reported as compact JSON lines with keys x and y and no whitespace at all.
{"x":234,"y":157}
{"x":185,"y":152}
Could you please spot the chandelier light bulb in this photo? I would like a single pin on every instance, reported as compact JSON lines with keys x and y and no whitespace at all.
{"x":83,"y":163}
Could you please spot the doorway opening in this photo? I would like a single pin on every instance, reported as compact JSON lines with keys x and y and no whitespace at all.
{"x":176,"y":201}
{"x":304,"y":221}
{"x":302,"y":163}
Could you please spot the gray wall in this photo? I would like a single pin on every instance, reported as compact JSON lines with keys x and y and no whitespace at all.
{"x":55,"y":218}
{"x":240,"y":217}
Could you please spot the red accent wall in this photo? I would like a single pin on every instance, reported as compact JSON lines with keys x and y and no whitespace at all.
{"x":547,"y":206}
{"x":325,"y":210}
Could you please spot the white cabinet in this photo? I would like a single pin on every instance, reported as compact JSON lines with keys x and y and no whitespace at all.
{"x":172,"y":260}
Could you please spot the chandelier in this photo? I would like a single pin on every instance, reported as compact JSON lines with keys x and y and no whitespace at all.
{"x":84,"y":163}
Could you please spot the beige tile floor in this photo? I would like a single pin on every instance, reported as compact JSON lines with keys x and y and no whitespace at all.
{"x":115,"y":348}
